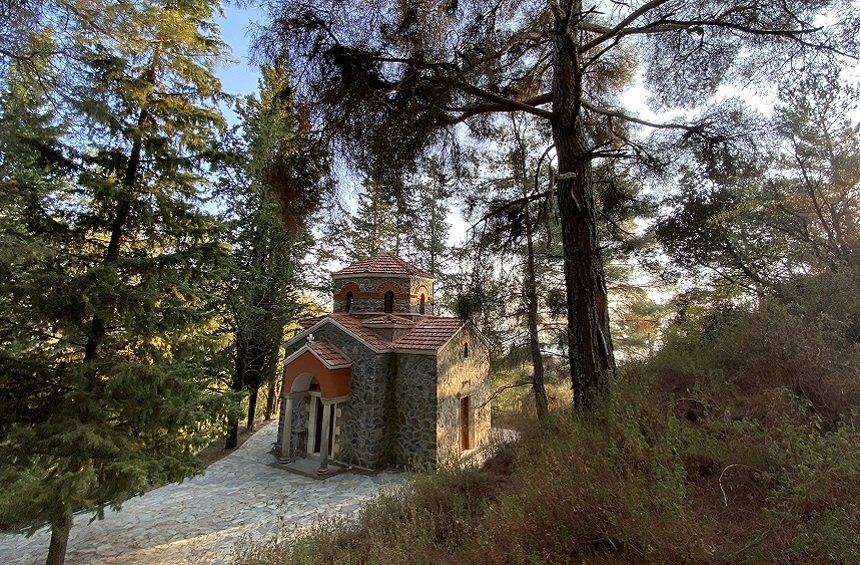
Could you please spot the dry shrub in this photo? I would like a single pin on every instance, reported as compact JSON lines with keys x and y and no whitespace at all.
{"x":805,"y":338}
{"x":606,"y":486}
{"x":424,"y":521}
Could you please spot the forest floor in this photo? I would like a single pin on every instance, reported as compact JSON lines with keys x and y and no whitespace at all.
{"x":241,"y":496}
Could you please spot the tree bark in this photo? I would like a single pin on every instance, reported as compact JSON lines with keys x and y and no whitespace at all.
{"x":238,"y":383}
{"x":270,"y":371}
{"x":59,"y":540}
{"x":592,"y":363}
{"x":538,"y":387}
{"x":270,"y":399}
{"x":252,"y":406}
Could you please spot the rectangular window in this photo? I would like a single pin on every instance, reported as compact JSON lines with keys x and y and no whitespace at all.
{"x":465,"y":427}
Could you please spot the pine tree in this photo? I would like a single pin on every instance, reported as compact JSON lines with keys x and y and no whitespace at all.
{"x":400,"y":80}
{"x":109,"y":263}
{"x":429,"y":230}
{"x":375,"y":228}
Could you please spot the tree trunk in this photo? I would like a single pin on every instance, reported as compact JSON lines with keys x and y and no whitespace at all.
{"x":238,"y":383}
{"x":252,"y":406}
{"x":270,"y":399}
{"x":592,"y":363}
{"x":270,"y":371}
{"x":132,"y":170}
{"x":59,"y":540}
{"x":538,"y":388}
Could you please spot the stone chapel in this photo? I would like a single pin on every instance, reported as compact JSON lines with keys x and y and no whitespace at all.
{"x":382,"y":381}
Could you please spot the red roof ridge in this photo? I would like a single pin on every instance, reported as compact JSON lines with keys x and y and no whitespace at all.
{"x":384,"y":263}
{"x":387,"y":319}
{"x":427,"y":333}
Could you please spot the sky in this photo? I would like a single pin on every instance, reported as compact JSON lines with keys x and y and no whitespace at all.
{"x":242,"y":75}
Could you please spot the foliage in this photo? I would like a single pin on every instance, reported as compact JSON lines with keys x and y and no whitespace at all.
{"x":375,"y":228}
{"x":790,"y":205}
{"x":268,"y":235}
{"x":107,"y":321}
{"x":428,"y":232}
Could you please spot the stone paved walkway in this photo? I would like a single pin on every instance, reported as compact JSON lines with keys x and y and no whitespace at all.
{"x":200,"y":520}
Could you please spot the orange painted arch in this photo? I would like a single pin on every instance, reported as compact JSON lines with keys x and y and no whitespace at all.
{"x":333,"y":383}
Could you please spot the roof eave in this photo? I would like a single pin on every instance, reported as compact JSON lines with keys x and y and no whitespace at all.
{"x":340,"y":275}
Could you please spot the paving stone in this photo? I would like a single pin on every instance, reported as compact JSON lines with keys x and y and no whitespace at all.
{"x":200,"y":519}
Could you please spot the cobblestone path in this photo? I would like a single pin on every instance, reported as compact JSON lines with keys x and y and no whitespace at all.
{"x":199,"y":520}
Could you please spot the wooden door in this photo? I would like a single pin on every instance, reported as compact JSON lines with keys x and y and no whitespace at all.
{"x":465,"y":432}
{"x":318,"y":425}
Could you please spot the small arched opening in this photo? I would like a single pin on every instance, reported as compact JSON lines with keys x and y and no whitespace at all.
{"x":389,"y":301}
{"x":421,"y":305}
{"x":348,"y":307}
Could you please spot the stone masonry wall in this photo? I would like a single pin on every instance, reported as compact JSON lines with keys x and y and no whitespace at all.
{"x":415,"y":303}
{"x":299,"y":428}
{"x":458,"y":377}
{"x":371,"y":284}
{"x":414,"y":411}
{"x":299,"y":425}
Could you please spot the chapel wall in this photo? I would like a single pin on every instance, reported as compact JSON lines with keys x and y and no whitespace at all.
{"x":413,"y":414}
{"x":459,"y":376}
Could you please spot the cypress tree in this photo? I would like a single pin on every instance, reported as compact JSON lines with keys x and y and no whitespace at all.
{"x":429,"y":231}
{"x":375,"y":227}
{"x":271,"y":154}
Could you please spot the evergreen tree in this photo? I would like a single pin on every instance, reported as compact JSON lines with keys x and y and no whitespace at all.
{"x":106,"y":314}
{"x":375,"y":226}
{"x":262,"y":294}
{"x":787,"y":206}
{"x":428,"y":233}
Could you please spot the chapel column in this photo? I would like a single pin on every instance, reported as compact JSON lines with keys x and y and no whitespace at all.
{"x":287,"y":428}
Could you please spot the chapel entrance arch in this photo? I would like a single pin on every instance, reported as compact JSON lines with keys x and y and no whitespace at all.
{"x":314,"y":387}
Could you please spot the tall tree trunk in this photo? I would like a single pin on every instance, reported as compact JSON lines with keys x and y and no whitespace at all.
{"x":538,"y":387}
{"x":252,"y":406}
{"x":238,"y":383}
{"x":60,"y":529}
{"x":592,"y":362}
{"x":270,"y":399}
{"x":271,"y":373}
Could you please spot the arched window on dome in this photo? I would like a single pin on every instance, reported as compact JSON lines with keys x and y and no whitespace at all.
{"x":389,"y":301}
{"x":349,"y":301}
{"x":421,"y":304}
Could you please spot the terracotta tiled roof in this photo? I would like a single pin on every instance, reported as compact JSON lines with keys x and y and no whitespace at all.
{"x":353,"y":324}
{"x":430,"y":332}
{"x":427,"y":333}
{"x":305,"y":323}
{"x":329,"y":353}
{"x":387,"y":319}
{"x":385,"y":263}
